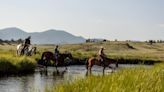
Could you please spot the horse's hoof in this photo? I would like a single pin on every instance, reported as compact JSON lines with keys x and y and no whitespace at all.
{"x":57,"y":72}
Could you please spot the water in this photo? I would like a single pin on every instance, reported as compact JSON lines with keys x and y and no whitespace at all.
{"x":42,"y":79}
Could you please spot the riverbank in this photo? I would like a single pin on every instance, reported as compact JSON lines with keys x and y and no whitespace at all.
{"x":13,"y":65}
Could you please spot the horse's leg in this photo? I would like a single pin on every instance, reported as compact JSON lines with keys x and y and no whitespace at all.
{"x":65,"y":66}
{"x":17,"y":52}
{"x":46,"y":62}
{"x":87,"y":68}
{"x":90,"y":69}
{"x":56,"y":64}
{"x":56,"y":68}
{"x":116,"y":64}
{"x":86,"y":73}
{"x":104,"y":69}
{"x":111,"y":68}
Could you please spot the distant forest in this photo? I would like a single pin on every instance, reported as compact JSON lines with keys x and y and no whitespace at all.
{"x":12,"y":41}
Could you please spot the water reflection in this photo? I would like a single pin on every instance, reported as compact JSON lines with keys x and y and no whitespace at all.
{"x":54,"y":73}
{"x":42,"y":78}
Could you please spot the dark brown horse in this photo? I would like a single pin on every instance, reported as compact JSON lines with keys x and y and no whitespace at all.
{"x":96,"y":61}
{"x":48,"y":56}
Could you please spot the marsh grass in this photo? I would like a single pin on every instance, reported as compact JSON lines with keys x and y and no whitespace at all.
{"x":138,"y":79}
{"x":11,"y":64}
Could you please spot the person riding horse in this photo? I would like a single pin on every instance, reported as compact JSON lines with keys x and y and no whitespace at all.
{"x":56,"y":53}
{"x":101,"y":54}
{"x":27,"y":43}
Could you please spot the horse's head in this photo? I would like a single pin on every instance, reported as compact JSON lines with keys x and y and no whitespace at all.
{"x":69,"y":55}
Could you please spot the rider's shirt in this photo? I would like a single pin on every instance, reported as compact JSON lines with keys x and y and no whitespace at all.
{"x":56,"y":53}
{"x":101,"y":53}
{"x":27,"y":41}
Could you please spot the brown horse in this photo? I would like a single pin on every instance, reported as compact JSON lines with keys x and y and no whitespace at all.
{"x":48,"y":56}
{"x":96,"y":61}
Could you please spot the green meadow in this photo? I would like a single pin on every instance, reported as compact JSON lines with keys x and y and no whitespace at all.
{"x":138,"y":79}
{"x":125,"y":52}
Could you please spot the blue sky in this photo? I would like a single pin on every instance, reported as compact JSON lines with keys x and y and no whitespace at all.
{"x":110,"y":19}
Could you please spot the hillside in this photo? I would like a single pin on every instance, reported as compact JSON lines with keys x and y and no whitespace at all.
{"x":47,"y":37}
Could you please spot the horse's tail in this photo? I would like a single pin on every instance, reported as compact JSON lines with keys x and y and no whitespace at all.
{"x":87,"y":63}
{"x":116,"y":63}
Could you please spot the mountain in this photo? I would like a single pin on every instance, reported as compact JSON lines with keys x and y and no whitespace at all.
{"x":47,"y":37}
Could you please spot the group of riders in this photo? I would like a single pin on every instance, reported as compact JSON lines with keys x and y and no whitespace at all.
{"x":27,"y":43}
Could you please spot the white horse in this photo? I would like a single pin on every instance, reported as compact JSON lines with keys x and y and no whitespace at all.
{"x":27,"y":51}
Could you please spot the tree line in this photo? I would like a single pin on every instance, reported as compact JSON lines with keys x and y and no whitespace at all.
{"x":12,"y":41}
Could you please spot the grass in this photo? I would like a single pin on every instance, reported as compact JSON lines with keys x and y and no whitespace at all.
{"x":125,"y":53}
{"x":11,"y":64}
{"x":133,"y":52}
{"x":126,"y":80}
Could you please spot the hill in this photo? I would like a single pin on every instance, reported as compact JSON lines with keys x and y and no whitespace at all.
{"x":47,"y":37}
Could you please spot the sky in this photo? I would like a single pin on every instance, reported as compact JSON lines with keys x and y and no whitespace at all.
{"x":108,"y":19}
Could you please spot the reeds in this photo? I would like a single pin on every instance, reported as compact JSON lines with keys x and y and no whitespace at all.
{"x":138,"y":79}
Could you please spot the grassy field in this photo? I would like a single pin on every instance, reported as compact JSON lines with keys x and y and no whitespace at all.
{"x":122,"y":51}
{"x":11,"y":64}
{"x":138,"y":79}
{"x":125,"y":80}
{"x":130,"y":52}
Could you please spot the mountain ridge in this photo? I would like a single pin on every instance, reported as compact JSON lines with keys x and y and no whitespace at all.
{"x":50,"y":36}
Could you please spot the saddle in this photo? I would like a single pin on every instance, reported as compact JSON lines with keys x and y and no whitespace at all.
{"x":101,"y":59}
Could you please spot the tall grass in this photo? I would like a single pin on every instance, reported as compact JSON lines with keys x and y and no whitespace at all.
{"x":126,"y":80}
{"x":10,"y":64}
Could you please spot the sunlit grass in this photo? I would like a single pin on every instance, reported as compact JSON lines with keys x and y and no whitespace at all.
{"x":142,"y":52}
{"x":138,"y":79}
{"x":12,"y":64}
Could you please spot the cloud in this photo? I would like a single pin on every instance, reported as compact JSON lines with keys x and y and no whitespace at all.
{"x":161,"y":25}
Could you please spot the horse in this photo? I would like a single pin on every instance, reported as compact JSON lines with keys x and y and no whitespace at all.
{"x":47,"y":56}
{"x":96,"y":61}
{"x":29,"y":51}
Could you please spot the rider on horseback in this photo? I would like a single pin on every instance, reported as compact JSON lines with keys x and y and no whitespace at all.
{"x":27,"y":43}
{"x":101,"y":54}
{"x":56,"y":53}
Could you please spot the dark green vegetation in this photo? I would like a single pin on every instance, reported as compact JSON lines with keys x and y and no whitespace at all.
{"x":10,"y":64}
{"x":18,"y":65}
